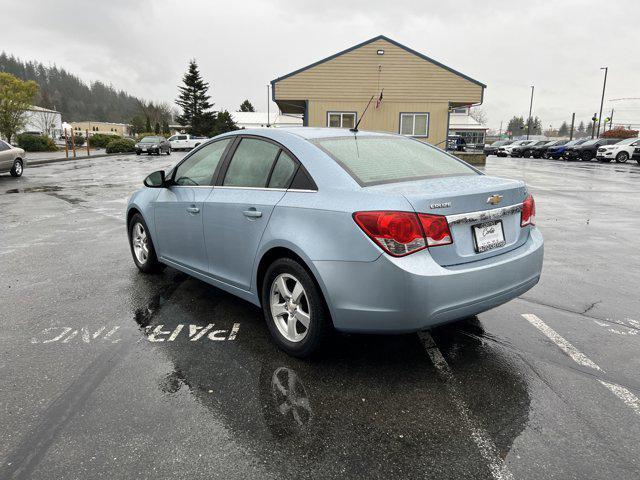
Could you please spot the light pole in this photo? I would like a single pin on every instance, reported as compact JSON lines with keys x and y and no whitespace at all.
{"x":530,"y":107}
{"x":604,"y":86}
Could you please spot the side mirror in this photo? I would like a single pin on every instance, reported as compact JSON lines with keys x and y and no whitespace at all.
{"x":155,"y":180}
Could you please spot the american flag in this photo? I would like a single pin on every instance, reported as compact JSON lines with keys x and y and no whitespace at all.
{"x":379,"y":100}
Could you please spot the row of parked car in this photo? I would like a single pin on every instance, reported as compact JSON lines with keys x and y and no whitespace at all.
{"x":583,"y":149}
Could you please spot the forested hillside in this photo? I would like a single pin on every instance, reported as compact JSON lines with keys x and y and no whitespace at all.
{"x":72,"y":97}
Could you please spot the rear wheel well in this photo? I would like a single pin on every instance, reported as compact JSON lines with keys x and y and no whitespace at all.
{"x":271,"y":256}
{"x":281,"y":252}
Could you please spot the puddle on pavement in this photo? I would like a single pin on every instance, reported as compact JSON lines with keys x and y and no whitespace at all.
{"x":41,"y":189}
{"x":375,"y":402}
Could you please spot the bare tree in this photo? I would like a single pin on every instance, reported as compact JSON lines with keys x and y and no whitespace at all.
{"x":478,"y":115}
{"x":45,"y":120}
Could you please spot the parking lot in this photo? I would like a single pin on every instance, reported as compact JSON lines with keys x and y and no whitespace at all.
{"x":108,"y":373}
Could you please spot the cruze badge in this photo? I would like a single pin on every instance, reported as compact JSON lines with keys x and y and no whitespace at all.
{"x":440,"y":205}
{"x":494,"y":199}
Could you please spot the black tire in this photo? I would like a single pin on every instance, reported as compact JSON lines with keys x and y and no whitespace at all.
{"x":320,"y":321}
{"x":169,"y":151}
{"x":137,"y":153}
{"x":622,"y":157}
{"x":17,"y":169}
{"x":151,"y":265}
{"x":585,"y":157}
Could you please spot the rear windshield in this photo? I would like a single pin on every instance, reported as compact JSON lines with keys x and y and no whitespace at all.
{"x":376,"y":160}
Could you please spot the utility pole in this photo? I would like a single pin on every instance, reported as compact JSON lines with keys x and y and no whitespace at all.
{"x":611,"y":120}
{"x":268,"y":101}
{"x":500,"y":132}
{"x":593,"y":124}
{"x":530,"y":107}
{"x":573,"y":122}
{"x":604,"y":86}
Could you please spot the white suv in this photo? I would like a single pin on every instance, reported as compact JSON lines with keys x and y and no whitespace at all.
{"x":620,"y":152}
{"x":506,"y":150}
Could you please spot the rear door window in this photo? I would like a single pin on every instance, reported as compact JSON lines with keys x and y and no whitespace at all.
{"x":374,"y":160}
{"x":251,"y":164}
{"x":283,"y":172}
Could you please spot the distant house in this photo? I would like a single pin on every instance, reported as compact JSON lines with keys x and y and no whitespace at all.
{"x":259,"y":119}
{"x":108,"y":128}
{"x":461,"y":124}
{"x":43,"y":121}
{"x":412,"y":93}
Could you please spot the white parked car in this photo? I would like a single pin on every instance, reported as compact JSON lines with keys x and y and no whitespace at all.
{"x":505,"y":150}
{"x":183,"y":141}
{"x":620,"y":152}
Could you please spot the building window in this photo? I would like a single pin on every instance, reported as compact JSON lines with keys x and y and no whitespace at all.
{"x":460,"y":110}
{"x":471,"y":137}
{"x":341,"y":119}
{"x":414,"y":124}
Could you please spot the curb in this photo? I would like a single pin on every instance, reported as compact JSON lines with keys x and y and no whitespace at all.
{"x":45,"y":161}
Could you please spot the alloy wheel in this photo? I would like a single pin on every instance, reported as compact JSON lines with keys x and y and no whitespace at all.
{"x":140,"y":242}
{"x":18,"y":168}
{"x":290,"y":309}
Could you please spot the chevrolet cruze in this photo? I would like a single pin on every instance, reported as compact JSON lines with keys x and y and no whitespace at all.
{"x":334,"y":229}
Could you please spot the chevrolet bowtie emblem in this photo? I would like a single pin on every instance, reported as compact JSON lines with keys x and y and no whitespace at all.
{"x":494,"y":199}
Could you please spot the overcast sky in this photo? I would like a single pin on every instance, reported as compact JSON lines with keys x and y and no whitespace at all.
{"x":143,"y":47}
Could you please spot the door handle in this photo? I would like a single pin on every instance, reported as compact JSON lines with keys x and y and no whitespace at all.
{"x":252,"y":213}
{"x":193,"y":210}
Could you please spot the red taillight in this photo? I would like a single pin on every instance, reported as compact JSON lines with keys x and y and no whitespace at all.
{"x":436,"y":229}
{"x":402,"y":233}
{"x":528,"y":215}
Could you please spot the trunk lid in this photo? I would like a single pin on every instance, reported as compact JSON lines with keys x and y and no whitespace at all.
{"x":456,"y":198}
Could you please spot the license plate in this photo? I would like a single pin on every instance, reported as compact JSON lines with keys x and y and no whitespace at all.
{"x":144,"y":149}
{"x":488,"y":235}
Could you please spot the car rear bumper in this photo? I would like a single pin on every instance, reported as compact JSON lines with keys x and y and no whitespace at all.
{"x":395,"y":295}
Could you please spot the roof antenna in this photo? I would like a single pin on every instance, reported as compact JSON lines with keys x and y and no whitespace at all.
{"x":355,"y":129}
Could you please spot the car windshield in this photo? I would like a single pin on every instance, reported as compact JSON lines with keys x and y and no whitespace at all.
{"x":500,"y":143}
{"x":590,"y":142}
{"x":150,"y":140}
{"x":627,"y":141}
{"x":375,"y":160}
{"x":548,"y":144}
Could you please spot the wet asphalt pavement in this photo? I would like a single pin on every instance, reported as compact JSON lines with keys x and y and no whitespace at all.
{"x":108,"y":373}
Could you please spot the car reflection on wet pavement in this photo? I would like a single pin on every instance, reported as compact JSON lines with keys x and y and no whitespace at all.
{"x":189,"y":384}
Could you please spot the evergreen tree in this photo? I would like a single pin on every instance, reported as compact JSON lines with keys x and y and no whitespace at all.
{"x":224,"y":123}
{"x":165,"y":127}
{"x":563,"y":131}
{"x":156,"y":129}
{"x":246,"y":107}
{"x":581,"y":130}
{"x":147,"y":127}
{"x":194,"y":101}
{"x":536,"y":126}
{"x":66,"y":93}
{"x":516,"y":126}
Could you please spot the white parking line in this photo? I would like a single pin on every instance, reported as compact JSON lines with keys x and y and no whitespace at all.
{"x":625,"y":395}
{"x":488,"y":450}
{"x":559,"y":340}
{"x":628,"y":397}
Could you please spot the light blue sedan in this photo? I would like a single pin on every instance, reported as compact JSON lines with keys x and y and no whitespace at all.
{"x":327,"y":228}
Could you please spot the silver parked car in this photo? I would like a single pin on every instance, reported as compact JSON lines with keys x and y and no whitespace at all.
{"x":326,"y":228}
{"x":12,"y":159}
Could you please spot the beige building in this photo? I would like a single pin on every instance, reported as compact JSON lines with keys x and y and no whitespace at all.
{"x":417,"y":93}
{"x":121,"y":129}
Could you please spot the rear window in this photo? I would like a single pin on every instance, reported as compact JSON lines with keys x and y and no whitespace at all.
{"x":376,"y":160}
